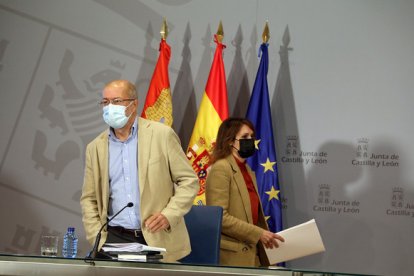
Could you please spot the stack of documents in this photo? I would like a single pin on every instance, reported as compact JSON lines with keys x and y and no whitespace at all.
{"x":301,"y":240}
{"x":130,"y":247}
{"x":134,"y":251}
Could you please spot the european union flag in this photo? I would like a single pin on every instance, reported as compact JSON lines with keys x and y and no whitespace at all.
{"x":264,"y":161}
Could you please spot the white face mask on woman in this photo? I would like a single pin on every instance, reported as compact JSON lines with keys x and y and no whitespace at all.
{"x":114,"y":115}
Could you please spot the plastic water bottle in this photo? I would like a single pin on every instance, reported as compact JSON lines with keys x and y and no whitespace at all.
{"x":70,"y":244}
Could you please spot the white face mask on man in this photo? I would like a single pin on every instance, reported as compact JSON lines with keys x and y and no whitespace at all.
{"x":114,"y":115}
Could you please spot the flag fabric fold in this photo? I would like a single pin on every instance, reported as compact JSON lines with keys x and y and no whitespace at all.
{"x":158,"y":103}
{"x":212,"y":111}
{"x":264,"y":162}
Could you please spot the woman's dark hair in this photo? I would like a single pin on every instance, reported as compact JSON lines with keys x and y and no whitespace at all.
{"x":226,"y":135}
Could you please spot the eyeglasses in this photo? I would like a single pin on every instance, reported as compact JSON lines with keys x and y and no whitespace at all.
{"x":116,"y":101}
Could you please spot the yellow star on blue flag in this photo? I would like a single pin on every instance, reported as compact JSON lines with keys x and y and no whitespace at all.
{"x":256,"y":144}
{"x":268,"y":166}
{"x":273,"y":193}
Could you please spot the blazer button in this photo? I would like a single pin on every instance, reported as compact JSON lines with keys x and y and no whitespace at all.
{"x":245,"y":249}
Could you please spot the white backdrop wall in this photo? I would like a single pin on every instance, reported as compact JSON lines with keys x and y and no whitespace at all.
{"x":341,"y":87}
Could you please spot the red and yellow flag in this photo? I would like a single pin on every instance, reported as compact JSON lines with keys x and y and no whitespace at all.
{"x":213,"y":110}
{"x":158,"y":104}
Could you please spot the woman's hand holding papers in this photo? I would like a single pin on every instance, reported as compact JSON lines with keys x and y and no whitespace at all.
{"x":270,"y":239}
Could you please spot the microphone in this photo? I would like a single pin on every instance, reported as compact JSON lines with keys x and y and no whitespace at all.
{"x":92,"y":254}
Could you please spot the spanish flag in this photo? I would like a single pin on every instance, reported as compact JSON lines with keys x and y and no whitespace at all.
{"x":158,"y":104}
{"x":213,"y":110}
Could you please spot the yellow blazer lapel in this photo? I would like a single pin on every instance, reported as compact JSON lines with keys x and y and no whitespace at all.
{"x":144,"y":143}
{"x":241,"y":185}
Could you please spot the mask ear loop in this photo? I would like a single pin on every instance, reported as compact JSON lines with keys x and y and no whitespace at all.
{"x":127,"y":108}
{"x":232,"y":145}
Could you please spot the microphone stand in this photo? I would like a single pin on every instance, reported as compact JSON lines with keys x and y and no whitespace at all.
{"x":92,"y":255}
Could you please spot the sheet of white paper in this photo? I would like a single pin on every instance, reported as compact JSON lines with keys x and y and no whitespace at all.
{"x":132,"y":257}
{"x":130,"y":247}
{"x":300,"y":240}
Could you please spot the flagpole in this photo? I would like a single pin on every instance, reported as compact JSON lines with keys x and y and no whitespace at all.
{"x":220,"y":33}
{"x":164,"y":29}
{"x":266,"y":33}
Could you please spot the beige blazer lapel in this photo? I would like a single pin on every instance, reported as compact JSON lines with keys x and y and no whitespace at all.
{"x":241,"y":185}
{"x":144,"y":143}
{"x":102,"y":147}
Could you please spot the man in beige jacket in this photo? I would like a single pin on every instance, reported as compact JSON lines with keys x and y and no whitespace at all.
{"x":138,"y":161}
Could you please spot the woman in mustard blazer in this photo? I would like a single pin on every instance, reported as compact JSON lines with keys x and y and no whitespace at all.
{"x":231,"y":184}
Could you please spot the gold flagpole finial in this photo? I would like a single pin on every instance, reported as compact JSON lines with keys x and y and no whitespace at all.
{"x":220,"y":33}
{"x":164,"y":29}
{"x":266,"y":33}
